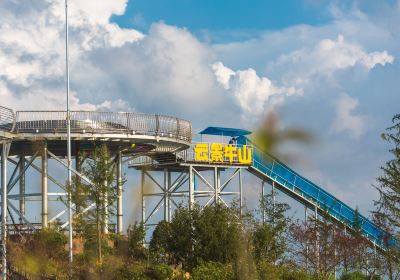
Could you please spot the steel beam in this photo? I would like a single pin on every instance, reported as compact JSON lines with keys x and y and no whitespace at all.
{"x":11,"y":185}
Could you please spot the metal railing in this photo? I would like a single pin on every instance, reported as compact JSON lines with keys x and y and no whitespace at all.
{"x":95,"y":122}
{"x":293,"y":182}
{"x":7,"y":119}
{"x":189,"y":156}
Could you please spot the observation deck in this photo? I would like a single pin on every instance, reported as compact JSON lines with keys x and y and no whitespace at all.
{"x":137,"y":132}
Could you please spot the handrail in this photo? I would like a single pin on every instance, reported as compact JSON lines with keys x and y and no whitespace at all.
{"x":293,"y":182}
{"x":102,"y":122}
{"x":7,"y":119}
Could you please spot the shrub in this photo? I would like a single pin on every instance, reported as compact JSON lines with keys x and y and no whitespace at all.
{"x":161,"y":272}
{"x":356,"y":275}
{"x":212,"y":271}
{"x":268,"y":271}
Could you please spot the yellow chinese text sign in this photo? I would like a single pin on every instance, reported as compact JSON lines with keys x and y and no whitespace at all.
{"x":220,"y":153}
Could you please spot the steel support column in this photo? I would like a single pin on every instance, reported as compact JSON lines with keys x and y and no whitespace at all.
{"x":105,"y":206}
{"x":22,"y":187}
{"x":191,"y":187}
{"x":306,"y":224}
{"x":169,"y":198}
{"x":4,"y":155}
{"x":142,"y":193}
{"x":263,"y":200}
{"x":78,"y":167}
{"x":119,"y":193}
{"x":44,"y":186}
{"x":217,"y":183}
{"x":273,"y":204}
{"x":166,"y":197}
{"x":240,"y":192}
{"x":317,"y":237}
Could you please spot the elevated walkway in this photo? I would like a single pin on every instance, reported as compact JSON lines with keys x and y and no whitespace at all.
{"x":270,"y":169}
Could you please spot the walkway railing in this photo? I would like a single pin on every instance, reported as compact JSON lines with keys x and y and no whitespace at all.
{"x":7,"y":119}
{"x":95,"y":122}
{"x":294,"y":183}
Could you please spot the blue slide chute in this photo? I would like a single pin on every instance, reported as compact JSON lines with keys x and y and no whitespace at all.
{"x":288,"y":181}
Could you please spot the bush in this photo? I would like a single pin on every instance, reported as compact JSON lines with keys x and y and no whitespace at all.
{"x":161,"y":272}
{"x":212,"y":271}
{"x":136,"y":234}
{"x":134,"y":271}
{"x":294,"y":275}
{"x":357,"y":275}
{"x":268,"y":271}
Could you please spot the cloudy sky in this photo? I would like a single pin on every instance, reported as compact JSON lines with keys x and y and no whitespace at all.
{"x":331,"y":67}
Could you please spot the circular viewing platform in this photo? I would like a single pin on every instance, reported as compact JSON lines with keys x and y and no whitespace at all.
{"x":114,"y":128}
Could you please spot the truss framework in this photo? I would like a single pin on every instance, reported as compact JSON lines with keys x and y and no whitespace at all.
{"x":20,"y":166}
{"x":184,"y":186}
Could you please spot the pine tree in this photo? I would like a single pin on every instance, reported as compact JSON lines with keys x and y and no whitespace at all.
{"x":99,"y":197}
{"x":387,"y":214}
{"x":270,"y":242}
{"x":389,"y":182}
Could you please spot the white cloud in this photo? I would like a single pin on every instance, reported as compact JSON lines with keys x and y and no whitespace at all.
{"x":250,"y":91}
{"x":374,"y":58}
{"x":32,"y":47}
{"x":167,"y":70}
{"x":327,"y":57}
{"x":346,"y":120}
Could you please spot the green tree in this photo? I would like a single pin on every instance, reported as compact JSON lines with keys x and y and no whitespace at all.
{"x":269,"y":237}
{"x":387,"y":214}
{"x":389,"y":183}
{"x":212,"y":271}
{"x":159,"y":244}
{"x":136,"y":234}
{"x":213,"y":233}
{"x":98,"y":196}
{"x":217,"y":231}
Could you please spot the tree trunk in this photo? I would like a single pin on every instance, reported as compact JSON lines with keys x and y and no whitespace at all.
{"x":98,"y":229}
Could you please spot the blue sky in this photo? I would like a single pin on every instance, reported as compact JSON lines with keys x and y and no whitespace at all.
{"x":220,"y":15}
{"x":330,"y":67}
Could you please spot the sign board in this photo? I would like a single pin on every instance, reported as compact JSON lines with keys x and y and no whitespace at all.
{"x":221,"y":153}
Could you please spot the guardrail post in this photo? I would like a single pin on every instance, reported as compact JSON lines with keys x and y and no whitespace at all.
{"x":128,"y":128}
{"x":177,"y":128}
{"x":157,"y":125}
